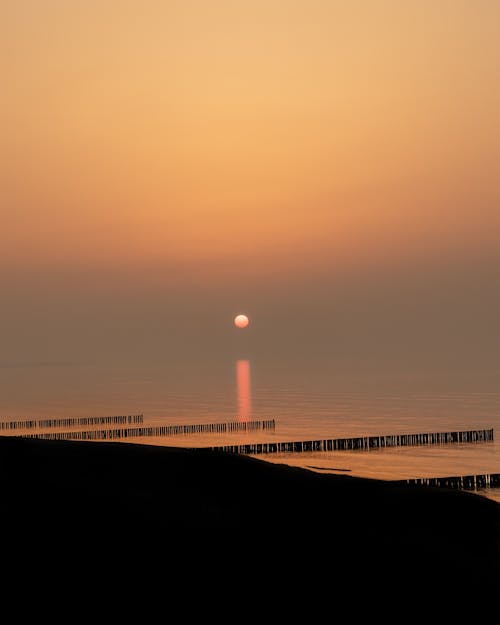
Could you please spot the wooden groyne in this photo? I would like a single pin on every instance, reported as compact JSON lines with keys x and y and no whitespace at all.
{"x":361,"y":443}
{"x":155,"y":430}
{"x":462,"y":482}
{"x":31,"y":424}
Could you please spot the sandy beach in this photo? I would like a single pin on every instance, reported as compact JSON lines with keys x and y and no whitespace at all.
{"x":197,"y":506}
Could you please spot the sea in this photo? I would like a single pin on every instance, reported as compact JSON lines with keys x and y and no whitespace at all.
{"x":244,"y":402}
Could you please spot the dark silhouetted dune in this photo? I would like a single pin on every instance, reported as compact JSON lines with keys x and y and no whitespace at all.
{"x":213,"y":511}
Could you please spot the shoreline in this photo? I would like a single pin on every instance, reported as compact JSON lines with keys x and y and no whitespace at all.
{"x":216,"y":503}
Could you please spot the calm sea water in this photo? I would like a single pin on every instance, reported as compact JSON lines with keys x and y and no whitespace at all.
{"x":306,"y":403}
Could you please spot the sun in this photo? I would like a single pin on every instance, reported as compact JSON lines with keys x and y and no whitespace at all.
{"x":241,"y":321}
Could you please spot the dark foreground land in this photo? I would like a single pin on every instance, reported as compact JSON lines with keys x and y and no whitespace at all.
{"x":136,"y":507}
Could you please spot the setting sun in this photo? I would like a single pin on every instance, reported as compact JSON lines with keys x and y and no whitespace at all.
{"x":241,"y":321}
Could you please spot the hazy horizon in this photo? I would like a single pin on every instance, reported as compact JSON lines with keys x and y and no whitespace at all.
{"x":329,"y":169}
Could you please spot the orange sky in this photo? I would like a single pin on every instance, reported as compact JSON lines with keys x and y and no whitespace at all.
{"x":200,"y":141}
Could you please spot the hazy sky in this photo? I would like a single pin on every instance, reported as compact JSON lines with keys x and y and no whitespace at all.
{"x":328,"y":167}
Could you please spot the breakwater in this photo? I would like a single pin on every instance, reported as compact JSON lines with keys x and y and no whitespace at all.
{"x":55,"y":422}
{"x":462,"y":482}
{"x":155,"y":430}
{"x":361,"y":443}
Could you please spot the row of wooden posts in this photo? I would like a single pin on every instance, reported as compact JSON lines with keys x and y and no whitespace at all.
{"x":156,"y":430}
{"x":361,"y":442}
{"x":30,"y":424}
{"x":462,"y":482}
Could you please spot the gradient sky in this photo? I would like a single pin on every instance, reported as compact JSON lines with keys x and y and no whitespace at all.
{"x":328,"y":167}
